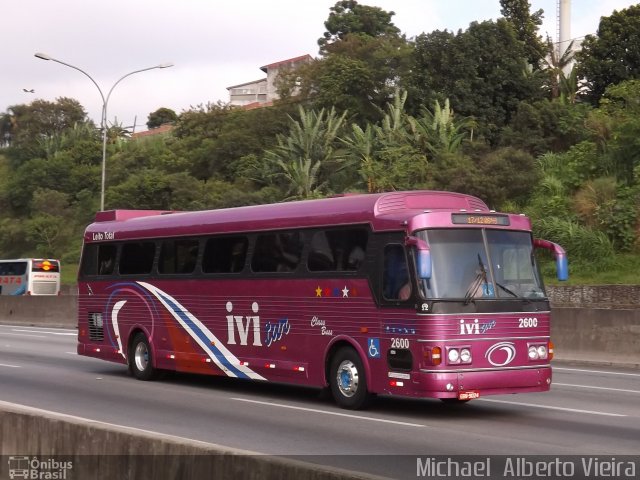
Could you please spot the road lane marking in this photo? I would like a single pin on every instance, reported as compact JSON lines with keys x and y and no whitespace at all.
{"x":337,"y":414}
{"x":548,"y":407}
{"x":595,"y":371}
{"x":597,"y":388}
{"x":10,"y":366}
{"x":22,"y":335}
{"x":49,"y":333}
{"x":39,"y":328}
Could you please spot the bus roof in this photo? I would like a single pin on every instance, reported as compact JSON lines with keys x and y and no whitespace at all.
{"x":382,"y":211}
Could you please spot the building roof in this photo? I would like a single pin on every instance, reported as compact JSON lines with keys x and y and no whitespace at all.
{"x":260,"y":80}
{"x":290,"y":61}
{"x":167,"y":127}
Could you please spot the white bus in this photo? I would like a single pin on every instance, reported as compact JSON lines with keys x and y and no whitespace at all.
{"x":30,"y":276}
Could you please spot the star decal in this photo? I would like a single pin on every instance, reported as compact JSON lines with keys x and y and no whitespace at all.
{"x":345,"y":292}
{"x":318,"y":291}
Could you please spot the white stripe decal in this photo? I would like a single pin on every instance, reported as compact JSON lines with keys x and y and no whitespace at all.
{"x":224,"y":352}
{"x":114,"y":322}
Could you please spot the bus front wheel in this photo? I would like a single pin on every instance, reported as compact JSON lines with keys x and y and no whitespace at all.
{"x":348,"y":381}
{"x":141,"y":358}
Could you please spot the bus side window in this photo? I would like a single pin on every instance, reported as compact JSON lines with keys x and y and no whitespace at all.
{"x":106,"y":259}
{"x":178,"y":256}
{"x":137,"y":258}
{"x":277,"y":252}
{"x":98,"y":259}
{"x":337,"y":250}
{"x":224,"y":255}
{"x":395,"y":280}
{"x":321,"y":257}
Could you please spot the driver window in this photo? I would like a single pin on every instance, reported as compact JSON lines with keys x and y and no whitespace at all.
{"x":395,"y":280}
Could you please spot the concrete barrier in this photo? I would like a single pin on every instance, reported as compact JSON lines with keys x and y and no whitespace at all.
{"x":45,"y":311}
{"x":79,"y":448}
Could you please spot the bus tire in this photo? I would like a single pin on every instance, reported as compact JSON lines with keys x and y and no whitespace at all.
{"x":348,"y":380}
{"x":141,"y":358}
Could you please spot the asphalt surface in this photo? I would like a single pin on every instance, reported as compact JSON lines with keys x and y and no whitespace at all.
{"x":591,"y":410}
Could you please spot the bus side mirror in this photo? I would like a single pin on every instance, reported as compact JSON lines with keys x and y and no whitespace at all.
{"x":562,"y":264}
{"x":423,"y":256}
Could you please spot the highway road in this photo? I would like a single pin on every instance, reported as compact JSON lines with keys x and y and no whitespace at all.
{"x":591,"y":410}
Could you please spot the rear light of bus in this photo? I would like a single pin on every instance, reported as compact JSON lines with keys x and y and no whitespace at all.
{"x":550,"y":350}
{"x":396,"y":383}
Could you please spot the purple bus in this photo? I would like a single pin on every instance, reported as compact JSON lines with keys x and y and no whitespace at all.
{"x":419,"y":294}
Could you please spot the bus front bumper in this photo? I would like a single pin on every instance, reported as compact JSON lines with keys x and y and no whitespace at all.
{"x":470,"y":383}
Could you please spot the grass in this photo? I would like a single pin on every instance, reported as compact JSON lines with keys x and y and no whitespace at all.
{"x":622,"y":269}
{"x":69,"y":274}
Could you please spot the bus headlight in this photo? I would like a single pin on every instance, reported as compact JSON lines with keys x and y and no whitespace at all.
{"x":453,"y":355}
{"x":542,"y":352}
{"x":539,"y":351}
{"x":465,"y":355}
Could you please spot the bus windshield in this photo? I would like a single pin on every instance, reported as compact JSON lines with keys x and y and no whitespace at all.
{"x":481,"y":263}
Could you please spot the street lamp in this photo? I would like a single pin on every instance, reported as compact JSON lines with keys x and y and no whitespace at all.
{"x":105,"y":101}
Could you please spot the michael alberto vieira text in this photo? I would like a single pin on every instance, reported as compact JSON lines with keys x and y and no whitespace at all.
{"x":522,"y":467}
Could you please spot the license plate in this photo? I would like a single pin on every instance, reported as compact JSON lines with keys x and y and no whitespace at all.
{"x":470,"y":395}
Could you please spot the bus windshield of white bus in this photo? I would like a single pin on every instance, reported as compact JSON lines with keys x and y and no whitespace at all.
{"x":465,"y":266}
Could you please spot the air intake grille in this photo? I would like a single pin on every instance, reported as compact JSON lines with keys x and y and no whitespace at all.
{"x":96,"y":326}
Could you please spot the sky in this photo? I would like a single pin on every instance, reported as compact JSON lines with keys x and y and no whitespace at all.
{"x":212,"y":45}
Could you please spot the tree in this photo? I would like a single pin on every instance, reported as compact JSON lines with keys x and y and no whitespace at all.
{"x":386,"y":155}
{"x":438,"y":130}
{"x":556,"y":63}
{"x":160,"y":117}
{"x":517,"y":12}
{"x":613,"y":54}
{"x":25,"y":127}
{"x":364,"y":58}
{"x":349,"y":17}
{"x":305,"y":158}
{"x":480,"y":84}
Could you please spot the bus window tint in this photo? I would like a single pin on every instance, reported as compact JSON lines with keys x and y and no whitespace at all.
{"x":277,"y":252}
{"x":13,"y":268}
{"x":98,"y":259}
{"x":336,"y":250}
{"x":224,"y":255}
{"x":137,"y":258}
{"x":178,"y":256}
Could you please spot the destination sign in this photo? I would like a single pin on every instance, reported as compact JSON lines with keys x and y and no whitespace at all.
{"x":479,"y":219}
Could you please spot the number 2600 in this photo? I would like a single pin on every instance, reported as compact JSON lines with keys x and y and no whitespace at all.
{"x":530,"y":322}
{"x":399,"y":343}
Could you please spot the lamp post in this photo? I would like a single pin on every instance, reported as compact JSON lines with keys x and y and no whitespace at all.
{"x":105,"y":101}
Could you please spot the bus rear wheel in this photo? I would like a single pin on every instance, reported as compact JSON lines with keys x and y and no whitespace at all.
{"x":141,"y":358}
{"x":347,"y":380}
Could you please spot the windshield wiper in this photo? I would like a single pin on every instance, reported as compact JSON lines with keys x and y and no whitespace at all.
{"x":481,"y":278}
{"x":510,"y":292}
